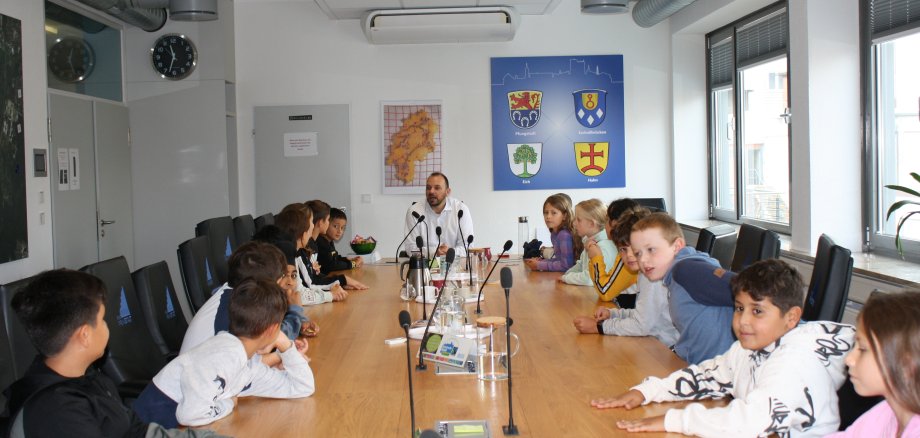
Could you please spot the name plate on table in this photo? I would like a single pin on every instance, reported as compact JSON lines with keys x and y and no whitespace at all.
{"x":448,"y":350}
{"x":466,"y":429}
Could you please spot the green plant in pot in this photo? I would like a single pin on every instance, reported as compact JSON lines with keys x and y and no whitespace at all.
{"x":903,"y":203}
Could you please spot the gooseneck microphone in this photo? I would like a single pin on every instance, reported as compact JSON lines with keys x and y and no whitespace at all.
{"x":427,"y":236}
{"x":437,"y":232}
{"x":418,"y":220}
{"x":510,"y":428}
{"x":508,"y":245}
{"x":420,"y":243}
{"x":404,"y":322}
{"x":449,"y":259}
{"x":469,"y":259}
{"x":460,"y":228}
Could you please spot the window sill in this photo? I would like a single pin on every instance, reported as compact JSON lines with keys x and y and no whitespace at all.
{"x":892,"y":270}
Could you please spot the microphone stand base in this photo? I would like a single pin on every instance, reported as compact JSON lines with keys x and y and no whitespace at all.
{"x":421,"y":367}
{"x":510,"y":429}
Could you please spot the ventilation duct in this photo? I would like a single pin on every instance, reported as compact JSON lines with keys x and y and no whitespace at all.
{"x":145,"y":17}
{"x":604,"y":6}
{"x":441,"y":25}
{"x":647,"y":13}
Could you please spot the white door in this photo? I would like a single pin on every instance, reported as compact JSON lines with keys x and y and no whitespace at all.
{"x":91,"y":163}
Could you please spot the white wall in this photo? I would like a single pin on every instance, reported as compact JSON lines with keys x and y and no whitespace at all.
{"x":31,"y":14}
{"x":291,"y":53}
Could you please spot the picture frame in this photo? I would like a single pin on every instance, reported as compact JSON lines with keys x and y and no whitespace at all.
{"x":411,"y":144}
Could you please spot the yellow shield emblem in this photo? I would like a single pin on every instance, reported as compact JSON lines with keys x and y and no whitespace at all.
{"x":591,"y":158}
{"x":589,"y":101}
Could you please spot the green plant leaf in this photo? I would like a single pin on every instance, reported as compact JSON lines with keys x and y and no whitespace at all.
{"x":915,"y":176}
{"x":894,"y":207}
{"x":907,"y":190}
{"x":897,"y":233}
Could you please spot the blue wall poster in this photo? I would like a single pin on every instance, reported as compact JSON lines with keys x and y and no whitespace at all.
{"x":557,"y":122}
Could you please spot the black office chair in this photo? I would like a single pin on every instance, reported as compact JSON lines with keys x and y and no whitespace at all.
{"x":265,"y":219}
{"x":198,"y":276}
{"x":754,"y":244}
{"x":653,"y":204}
{"x":222,"y":239}
{"x":132,"y":357}
{"x":244,"y":227}
{"x":719,"y":242}
{"x":8,"y":371}
{"x":830,"y":282}
{"x":161,"y":307}
{"x":19,"y":345}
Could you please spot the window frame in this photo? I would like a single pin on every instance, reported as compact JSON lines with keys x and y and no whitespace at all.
{"x":736,"y":216}
{"x":873,"y":210}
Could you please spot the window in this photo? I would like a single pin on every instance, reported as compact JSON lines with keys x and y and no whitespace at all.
{"x":893,"y":119}
{"x":748,"y":69}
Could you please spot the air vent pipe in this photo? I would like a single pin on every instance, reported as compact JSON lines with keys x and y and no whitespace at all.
{"x":647,"y":13}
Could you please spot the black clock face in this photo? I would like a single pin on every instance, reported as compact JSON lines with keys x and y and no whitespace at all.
{"x":173,"y":56}
{"x":71,"y":60}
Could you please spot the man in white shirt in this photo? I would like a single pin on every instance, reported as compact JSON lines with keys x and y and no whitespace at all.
{"x":440,"y":210}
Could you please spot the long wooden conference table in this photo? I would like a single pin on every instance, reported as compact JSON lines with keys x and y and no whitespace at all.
{"x":362,"y":384}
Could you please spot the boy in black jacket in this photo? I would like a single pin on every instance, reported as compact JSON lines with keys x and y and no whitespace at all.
{"x":330,"y":259}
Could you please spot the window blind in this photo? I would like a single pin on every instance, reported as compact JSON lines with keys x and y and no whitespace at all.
{"x":887,"y":17}
{"x":762,"y":38}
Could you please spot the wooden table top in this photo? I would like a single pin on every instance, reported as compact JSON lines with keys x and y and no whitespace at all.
{"x":362,"y":384}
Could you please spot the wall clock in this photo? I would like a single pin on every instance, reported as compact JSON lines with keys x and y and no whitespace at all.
{"x":174,"y":56}
{"x":71,"y":60}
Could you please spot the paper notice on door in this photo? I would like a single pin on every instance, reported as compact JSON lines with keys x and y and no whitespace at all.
{"x":74,"y":161}
{"x":300,"y":144}
{"x":63,"y":176}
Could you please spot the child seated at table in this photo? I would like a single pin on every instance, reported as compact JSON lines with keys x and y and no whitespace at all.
{"x":650,"y":317}
{"x":701,"y":312}
{"x":61,"y":394}
{"x":783,"y":376}
{"x":201,"y":385}
{"x":330,"y":259}
{"x":886,"y":362}
{"x":559,"y":218}
{"x":254,"y":259}
{"x":321,"y":210}
{"x":298,"y":224}
{"x":590,"y":217}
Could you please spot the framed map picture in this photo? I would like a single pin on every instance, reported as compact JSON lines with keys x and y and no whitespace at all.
{"x":557,"y":122}
{"x":412,"y":148}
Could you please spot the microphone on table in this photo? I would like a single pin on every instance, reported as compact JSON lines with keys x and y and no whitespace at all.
{"x":405,"y":321}
{"x":420,"y":243}
{"x":418,"y":219}
{"x":437,"y":232}
{"x":510,"y":428}
{"x":508,"y":245}
{"x":469,"y":259}
{"x":421,"y":218}
{"x":449,"y":259}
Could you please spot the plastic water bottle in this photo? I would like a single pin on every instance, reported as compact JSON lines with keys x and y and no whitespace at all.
{"x":523,"y":232}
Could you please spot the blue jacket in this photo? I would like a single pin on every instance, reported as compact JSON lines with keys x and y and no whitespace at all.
{"x":705,"y":329}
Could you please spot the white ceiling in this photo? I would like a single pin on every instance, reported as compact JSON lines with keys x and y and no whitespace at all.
{"x":353,"y":9}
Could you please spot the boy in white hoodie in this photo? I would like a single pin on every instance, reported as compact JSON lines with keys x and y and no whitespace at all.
{"x":201,"y":385}
{"x":783,"y":376}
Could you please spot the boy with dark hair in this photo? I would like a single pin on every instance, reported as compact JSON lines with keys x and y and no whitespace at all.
{"x":783,"y":376}
{"x":701,"y":314}
{"x":252,"y":259}
{"x":201,"y":385}
{"x":330,"y":259}
{"x":321,"y":211}
{"x":298,"y":224}
{"x":63,"y":313}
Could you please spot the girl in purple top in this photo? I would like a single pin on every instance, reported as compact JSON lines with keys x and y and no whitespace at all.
{"x":886,"y":361}
{"x":559,"y":217}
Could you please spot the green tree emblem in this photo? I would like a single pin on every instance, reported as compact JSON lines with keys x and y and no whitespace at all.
{"x":525,"y":154}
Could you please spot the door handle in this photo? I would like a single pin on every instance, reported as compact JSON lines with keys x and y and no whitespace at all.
{"x":104,"y":222}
